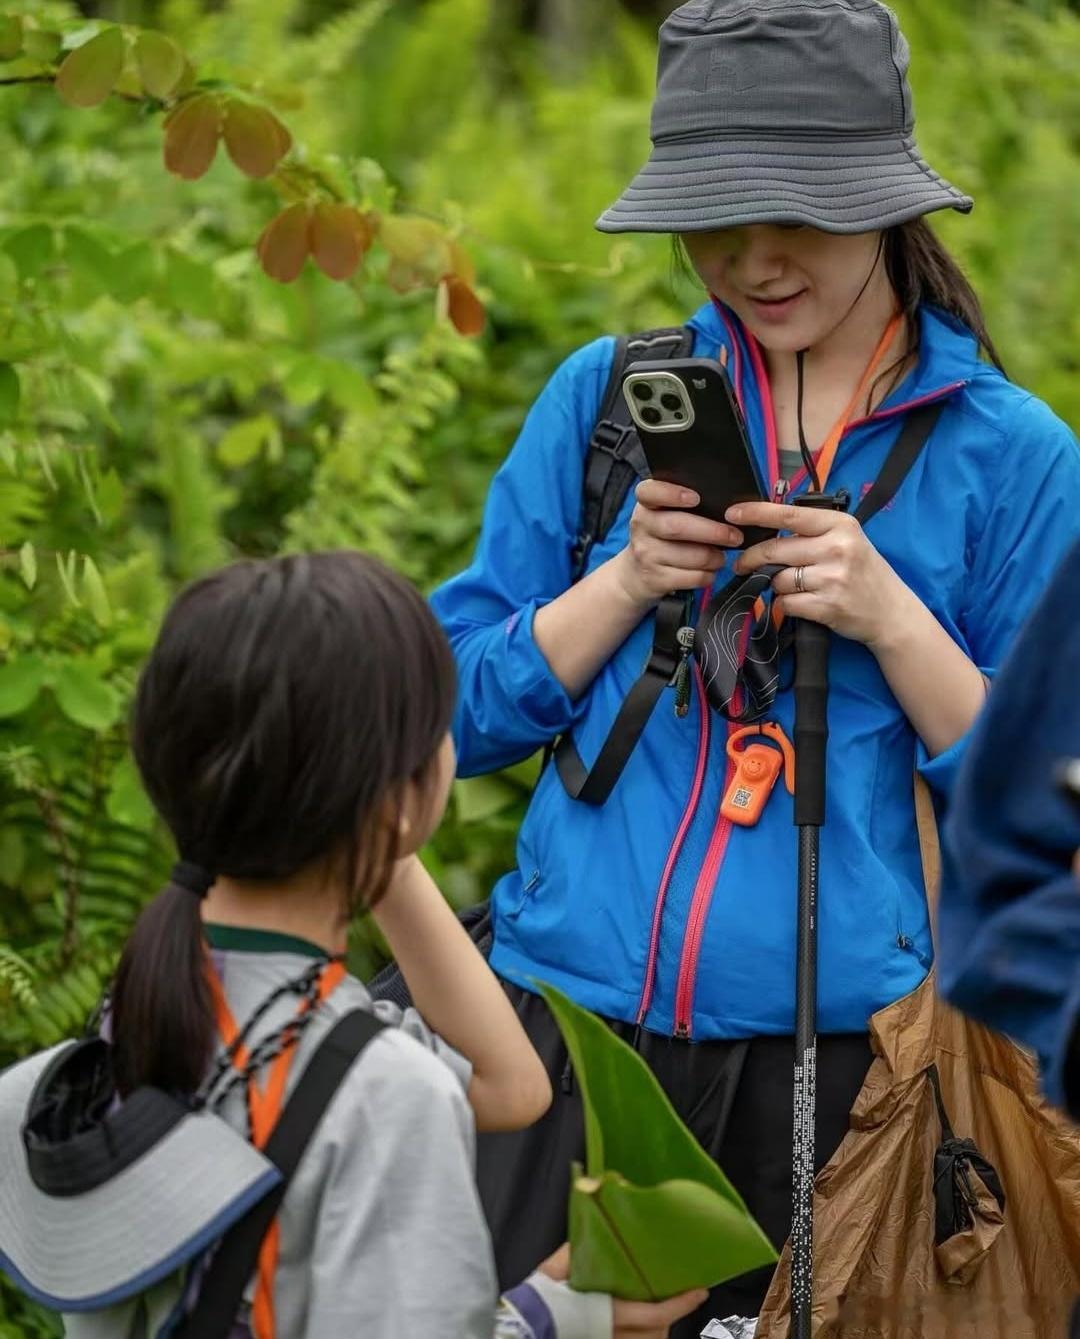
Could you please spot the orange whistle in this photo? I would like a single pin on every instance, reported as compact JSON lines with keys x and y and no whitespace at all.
{"x":757,"y":767}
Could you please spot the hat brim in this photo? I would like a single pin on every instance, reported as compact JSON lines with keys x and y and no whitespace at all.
{"x":86,"y":1252}
{"x":849,"y":186}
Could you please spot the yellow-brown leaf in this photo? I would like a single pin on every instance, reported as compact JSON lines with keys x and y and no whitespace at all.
{"x":417,"y":244}
{"x":336,"y":233}
{"x":161,"y":63}
{"x":255,"y":138}
{"x":89,"y":73}
{"x":285,"y":243}
{"x":191,"y":136}
{"x":465,"y":309}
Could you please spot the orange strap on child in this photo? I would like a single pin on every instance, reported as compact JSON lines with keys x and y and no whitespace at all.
{"x":264,"y":1108}
{"x":757,"y":767}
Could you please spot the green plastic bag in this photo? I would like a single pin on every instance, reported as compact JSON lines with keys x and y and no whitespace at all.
{"x":651,"y":1214}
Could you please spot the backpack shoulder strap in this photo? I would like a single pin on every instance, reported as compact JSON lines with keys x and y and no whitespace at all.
{"x":614,"y":460}
{"x":906,"y":449}
{"x":235,"y":1259}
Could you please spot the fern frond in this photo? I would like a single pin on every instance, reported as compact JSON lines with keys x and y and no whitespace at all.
{"x":329,"y":50}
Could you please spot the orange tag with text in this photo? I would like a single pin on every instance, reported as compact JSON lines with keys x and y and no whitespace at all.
{"x":757,"y":767}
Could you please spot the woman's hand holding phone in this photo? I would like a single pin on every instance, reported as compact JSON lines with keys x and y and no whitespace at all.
{"x":670,"y":548}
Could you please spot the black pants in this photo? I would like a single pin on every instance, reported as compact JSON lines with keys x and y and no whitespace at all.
{"x":736,"y":1097}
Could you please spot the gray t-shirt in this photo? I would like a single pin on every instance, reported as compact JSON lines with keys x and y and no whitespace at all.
{"x":382,"y":1232}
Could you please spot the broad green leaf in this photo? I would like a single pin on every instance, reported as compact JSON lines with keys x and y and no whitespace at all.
{"x":32,"y":249}
{"x":127,"y":801}
{"x":28,"y":565}
{"x":42,"y":45}
{"x":243,"y":442}
{"x":651,"y":1215}
{"x":11,"y":36}
{"x":160,"y":63}
{"x":89,"y":73}
{"x":20,"y":682}
{"x":418,"y":245}
{"x":65,"y":570}
{"x":85,"y":697}
{"x":92,"y":261}
{"x":9,"y":393}
{"x":97,"y":599}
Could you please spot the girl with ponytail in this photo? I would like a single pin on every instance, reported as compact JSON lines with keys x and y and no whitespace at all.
{"x":291,"y":728}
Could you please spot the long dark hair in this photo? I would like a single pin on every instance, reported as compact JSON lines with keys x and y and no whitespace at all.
{"x":284,"y":707}
{"x":921,"y":269}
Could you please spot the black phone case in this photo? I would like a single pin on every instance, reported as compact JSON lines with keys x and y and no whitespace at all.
{"x":712,"y":456}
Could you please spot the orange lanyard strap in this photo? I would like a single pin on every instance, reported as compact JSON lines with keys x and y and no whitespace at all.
{"x":827,"y":452}
{"x":264,"y":1107}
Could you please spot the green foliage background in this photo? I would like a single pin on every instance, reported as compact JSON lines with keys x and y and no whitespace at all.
{"x":165,"y":407}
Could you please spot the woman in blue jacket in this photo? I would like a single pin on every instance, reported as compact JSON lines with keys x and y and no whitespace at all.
{"x":784,"y":160}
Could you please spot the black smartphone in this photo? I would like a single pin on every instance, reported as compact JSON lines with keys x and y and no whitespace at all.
{"x":693,"y":434}
{"x":1067,"y":776}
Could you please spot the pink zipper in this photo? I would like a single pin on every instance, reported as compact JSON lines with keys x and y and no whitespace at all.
{"x":699,"y":910}
{"x":676,"y":846}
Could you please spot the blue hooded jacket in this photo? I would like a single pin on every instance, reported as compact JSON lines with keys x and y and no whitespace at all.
{"x":652,"y":907}
{"x":1009,"y":922}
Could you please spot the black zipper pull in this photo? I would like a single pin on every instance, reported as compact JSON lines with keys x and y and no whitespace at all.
{"x":681,"y":680}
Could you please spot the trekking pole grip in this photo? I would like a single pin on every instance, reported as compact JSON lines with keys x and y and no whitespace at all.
{"x":811,"y":721}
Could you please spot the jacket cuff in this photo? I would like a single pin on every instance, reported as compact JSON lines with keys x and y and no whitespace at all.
{"x":554,"y":1311}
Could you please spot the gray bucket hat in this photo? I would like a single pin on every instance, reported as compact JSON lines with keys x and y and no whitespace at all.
{"x":116,"y":1201}
{"x":781,"y":111}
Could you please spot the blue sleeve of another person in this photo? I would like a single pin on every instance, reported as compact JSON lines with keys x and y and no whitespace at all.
{"x":1009,"y":951}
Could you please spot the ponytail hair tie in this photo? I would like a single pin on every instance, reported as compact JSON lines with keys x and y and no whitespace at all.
{"x":192,"y":878}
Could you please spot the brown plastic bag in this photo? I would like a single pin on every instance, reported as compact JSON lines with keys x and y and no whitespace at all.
{"x":877,"y":1271}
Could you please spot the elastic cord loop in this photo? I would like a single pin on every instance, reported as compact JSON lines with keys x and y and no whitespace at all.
{"x":192,"y":878}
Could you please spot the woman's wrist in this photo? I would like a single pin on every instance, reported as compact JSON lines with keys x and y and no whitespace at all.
{"x":627,"y":586}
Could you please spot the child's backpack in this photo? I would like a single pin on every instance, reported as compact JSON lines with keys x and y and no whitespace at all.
{"x":146,"y":1209}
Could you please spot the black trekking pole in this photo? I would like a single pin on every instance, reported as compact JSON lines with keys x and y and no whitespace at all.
{"x":811,"y":736}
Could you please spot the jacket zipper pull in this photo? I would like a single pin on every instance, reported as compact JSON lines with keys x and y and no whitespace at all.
{"x":685,"y":638}
{"x":780,"y":489}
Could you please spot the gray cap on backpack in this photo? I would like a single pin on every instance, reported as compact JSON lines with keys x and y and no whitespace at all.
{"x":781,"y":111}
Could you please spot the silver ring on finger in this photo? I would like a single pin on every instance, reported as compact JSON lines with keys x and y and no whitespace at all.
{"x":800,"y":580}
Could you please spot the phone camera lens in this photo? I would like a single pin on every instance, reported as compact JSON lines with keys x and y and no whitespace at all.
{"x":670,"y":400}
{"x":679,"y":416}
{"x":642,"y":390}
{"x":651,"y":415}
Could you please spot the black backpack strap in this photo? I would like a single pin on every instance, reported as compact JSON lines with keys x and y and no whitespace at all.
{"x":614,"y":460}
{"x":236,"y":1256}
{"x":905,"y":451}
{"x":594,"y":785}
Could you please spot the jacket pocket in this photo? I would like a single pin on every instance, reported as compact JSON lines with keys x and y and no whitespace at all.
{"x":530,"y":882}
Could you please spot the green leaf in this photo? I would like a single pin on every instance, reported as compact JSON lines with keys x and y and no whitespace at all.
{"x":20,"y":683}
{"x":42,"y":45}
{"x":10,"y":392}
{"x":11,"y":36}
{"x":160,"y":62}
{"x":32,"y":249}
{"x":89,"y":73}
{"x":243,"y":442}
{"x":127,"y":801}
{"x":481,"y":797}
{"x":97,"y":598}
{"x":65,"y":570}
{"x":28,"y":565}
{"x":85,"y":698}
{"x":653,"y":1215}
{"x":9,"y":278}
